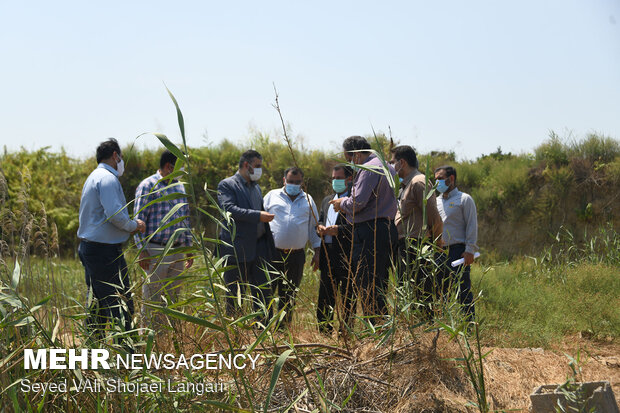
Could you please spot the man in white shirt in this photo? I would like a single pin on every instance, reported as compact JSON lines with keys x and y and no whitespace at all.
{"x":293,"y":226}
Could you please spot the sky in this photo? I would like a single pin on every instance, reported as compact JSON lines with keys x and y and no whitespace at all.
{"x":456,"y":76}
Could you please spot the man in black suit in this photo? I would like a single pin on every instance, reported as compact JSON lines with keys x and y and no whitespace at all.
{"x":335,"y":254}
{"x":251,"y":247}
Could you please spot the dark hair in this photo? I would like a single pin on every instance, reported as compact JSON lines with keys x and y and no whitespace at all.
{"x":450,"y":171}
{"x":294,"y":170}
{"x":106,"y":149}
{"x":248,"y":156}
{"x":407,"y":153}
{"x":355,"y":143}
{"x":346,"y":168}
{"x":167,"y":157}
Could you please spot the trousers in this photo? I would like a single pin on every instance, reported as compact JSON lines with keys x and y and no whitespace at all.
{"x":107,"y":279}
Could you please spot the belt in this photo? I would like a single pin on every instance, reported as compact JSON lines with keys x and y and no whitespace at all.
{"x":101,"y":244}
{"x":163,"y":244}
{"x":288,"y":251}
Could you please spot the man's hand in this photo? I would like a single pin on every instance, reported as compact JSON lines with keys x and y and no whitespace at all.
{"x":266,"y":216}
{"x":332,"y":230}
{"x":145,"y":260}
{"x":189,"y":262}
{"x":469,"y":258}
{"x":315,"y":260}
{"x":320,"y":229}
{"x":336,"y":203}
{"x":141,"y":227}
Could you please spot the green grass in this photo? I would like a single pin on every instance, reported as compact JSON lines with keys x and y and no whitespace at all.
{"x":524,"y":306}
{"x":521,"y":304}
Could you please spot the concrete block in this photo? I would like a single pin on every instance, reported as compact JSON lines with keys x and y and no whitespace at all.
{"x":599,"y":395}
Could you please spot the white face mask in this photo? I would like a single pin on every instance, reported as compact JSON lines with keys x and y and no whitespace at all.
{"x":120,"y":167}
{"x":255,"y":176}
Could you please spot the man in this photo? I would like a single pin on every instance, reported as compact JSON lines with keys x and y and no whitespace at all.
{"x":460,"y":231}
{"x":104,"y":226}
{"x":247,"y":241}
{"x":413,"y":229}
{"x":335,"y":254}
{"x":163,"y":271}
{"x":371,"y":209}
{"x":293,"y":227}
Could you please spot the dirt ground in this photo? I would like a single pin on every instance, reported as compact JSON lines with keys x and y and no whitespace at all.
{"x":419,"y":377}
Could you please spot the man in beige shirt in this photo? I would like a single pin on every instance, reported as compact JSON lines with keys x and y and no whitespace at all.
{"x":414,"y":231}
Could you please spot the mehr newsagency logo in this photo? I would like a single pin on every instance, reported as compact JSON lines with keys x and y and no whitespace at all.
{"x":99,"y":359}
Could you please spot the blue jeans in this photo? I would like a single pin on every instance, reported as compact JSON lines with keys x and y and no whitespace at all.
{"x":108,"y":281}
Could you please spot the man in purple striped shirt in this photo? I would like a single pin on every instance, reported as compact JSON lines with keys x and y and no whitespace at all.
{"x":371,"y":209}
{"x":163,"y":272}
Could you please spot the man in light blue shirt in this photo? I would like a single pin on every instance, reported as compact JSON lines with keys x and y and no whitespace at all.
{"x":460,"y":231}
{"x":104,"y":226}
{"x":293,"y":226}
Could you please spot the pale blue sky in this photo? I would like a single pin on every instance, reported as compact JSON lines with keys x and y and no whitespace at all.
{"x":450,"y":75}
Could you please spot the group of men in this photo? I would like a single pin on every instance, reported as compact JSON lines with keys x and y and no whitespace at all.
{"x":361,"y":229}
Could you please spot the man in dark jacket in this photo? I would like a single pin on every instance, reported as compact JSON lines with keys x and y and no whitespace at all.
{"x":247,"y":241}
{"x":334,"y":255}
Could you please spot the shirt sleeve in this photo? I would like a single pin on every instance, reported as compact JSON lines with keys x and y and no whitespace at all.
{"x":113,"y":202}
{"x":361,"y":192}
{"x":314,"y":238}
{"x":142,"y":199}
{"x":434,"y":222}
{"x":471,"y":226}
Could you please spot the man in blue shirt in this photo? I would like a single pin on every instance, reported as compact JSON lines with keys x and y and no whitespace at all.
{"x":460,"y":233}
{"x":104,"y":226}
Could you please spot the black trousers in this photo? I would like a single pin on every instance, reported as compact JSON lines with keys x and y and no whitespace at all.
{"x":105,"y":271}
{"x":374,"y":243}
{"x":460,"y":274}
{"x":251,"y":274}
{"x":423,"y":271}
{"x":291,"y":265}
{"x":334,"y":280}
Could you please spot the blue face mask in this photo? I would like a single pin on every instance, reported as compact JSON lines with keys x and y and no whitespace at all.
{"x":292,"y":189}
{"x":339,"y":185}
{"x":441,"y":185}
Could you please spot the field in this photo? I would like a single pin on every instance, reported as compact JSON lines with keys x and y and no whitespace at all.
{"x":547,"y":288}
{"x":532,"y":316}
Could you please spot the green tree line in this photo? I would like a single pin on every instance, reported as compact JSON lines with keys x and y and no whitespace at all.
{"x":522,"y":198}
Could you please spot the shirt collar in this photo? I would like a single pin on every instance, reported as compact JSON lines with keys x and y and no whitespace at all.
{"x":242,"y":180}
{"x":451,"y":193}
{"x":411,"y":175}
{"x":159,"y":177}
{"x":370,"y":158}
{"x":109,"y":168}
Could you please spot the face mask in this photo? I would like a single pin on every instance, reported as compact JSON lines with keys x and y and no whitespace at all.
{"x":339,"y":185}
{"x":256,"y":174}
{"x":120,"y":167}
{"x":441,"y":185}
{"x":293,"y":189}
